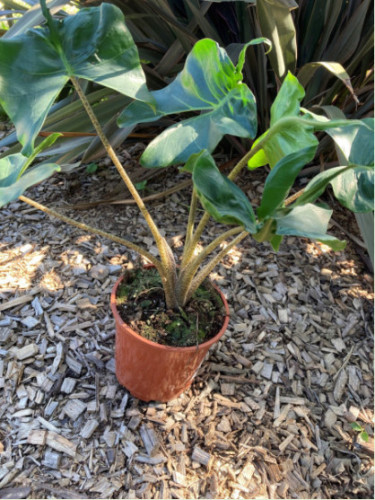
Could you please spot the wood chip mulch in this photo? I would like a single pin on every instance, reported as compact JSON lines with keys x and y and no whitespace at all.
{"x":269,"y":413}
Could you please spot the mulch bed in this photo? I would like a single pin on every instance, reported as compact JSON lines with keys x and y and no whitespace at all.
{"x":268,"y":415}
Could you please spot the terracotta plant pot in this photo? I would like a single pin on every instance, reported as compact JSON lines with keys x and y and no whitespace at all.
{"x":155,"y":372}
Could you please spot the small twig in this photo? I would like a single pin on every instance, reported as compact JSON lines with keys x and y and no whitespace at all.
{"x":346,"y":361}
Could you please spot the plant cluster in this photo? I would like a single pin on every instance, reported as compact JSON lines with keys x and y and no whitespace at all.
{"x":304,"y":33}
{"x":96,"y":45}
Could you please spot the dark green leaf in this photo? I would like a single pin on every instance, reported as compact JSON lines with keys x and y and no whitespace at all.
{"x":93,"y":44}
{"x":281,"y":179}
{"x":209,"y":83}
{"x":141,"y":185}
{"x":91,"y":168}
{"x":219,"y":196}
{"x":309,"y":221}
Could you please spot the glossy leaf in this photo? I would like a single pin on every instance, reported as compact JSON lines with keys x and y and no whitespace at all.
{"x":309,"y":221}
{"x":356,"y":142}
{"x":289,"y":137}
{"x":281,"y":179}
{"x":222,"y":199}
{"x":209,"y":83}
{"x":13,"y":183}
{"x":277,"y":25}
{"x":94,"y":44}
{"x":355,"y":188}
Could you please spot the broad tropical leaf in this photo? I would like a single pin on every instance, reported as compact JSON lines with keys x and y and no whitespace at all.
{"x":309,"y":221}
{"x":94,"y":44}
{"x":352,"y":183}
{"x":209,"y":83}
{"x":219,"y":196}
{"x":284,"y":137}
{"x":292,"y":127}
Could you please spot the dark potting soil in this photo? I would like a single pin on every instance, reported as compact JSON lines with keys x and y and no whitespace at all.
{"x":141,"y":305}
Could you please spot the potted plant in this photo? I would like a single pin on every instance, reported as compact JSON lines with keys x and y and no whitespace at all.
{"x":95,"y":45}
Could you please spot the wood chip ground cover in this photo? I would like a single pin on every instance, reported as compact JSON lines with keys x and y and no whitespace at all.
{"x":268,"y":415}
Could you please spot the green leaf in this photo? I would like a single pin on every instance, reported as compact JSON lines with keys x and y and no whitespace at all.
{"x":277,"y":25}
{"x":141,"y":185}
{"x":364,"y":436}
{"x":284,"y":137}
{"x":219,"y":196}
{"x":209,"y":83}
{"x":309,"y":221}
{"x":281,"y":179}
{"x":91,"y":168}
{"x":356,"y":426}
{"x":355,"y":142}
{"x":13,"y":184}
{"x":355,"y":189}
{"x":94,"y":44}
{"x":355,"y":146}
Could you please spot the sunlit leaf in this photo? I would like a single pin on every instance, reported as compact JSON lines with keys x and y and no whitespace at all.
{"x":209,"y":83}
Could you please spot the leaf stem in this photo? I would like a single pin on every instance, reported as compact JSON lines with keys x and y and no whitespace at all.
{"x":187,"y":273}
{"x":190,"y":228}
{"x":167,"y":260}
{"x":93,"y":230}
{"x":203,"y":274}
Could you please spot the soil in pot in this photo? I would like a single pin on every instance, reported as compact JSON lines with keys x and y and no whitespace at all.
{"x":141,"y":305}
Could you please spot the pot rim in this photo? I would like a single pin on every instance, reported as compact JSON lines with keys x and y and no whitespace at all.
{"x":194,"y":348}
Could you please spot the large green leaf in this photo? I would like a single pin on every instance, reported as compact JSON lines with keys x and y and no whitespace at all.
{"x":209,"y":83}
{"x":309,"y":221}
{"x":355,"y":189}
{"x":281,"y":179}
{"x":13,"y":183}
{"x":277,"y":25}
{"x":355,"y":147}
{"x":219,"y":196}
{"x":94,"y":44}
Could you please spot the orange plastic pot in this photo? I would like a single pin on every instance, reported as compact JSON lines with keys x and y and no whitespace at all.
{"x":155,"y":372}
